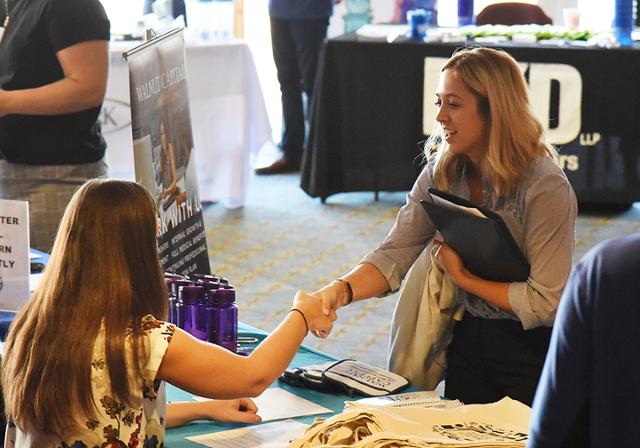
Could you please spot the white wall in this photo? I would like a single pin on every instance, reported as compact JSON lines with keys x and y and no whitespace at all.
{"x":596,"y":14}
{"x":553,"y":8}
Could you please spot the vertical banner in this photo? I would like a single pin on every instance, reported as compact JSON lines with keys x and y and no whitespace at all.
{"x":14,"y":254}
{"x":163,"y":150}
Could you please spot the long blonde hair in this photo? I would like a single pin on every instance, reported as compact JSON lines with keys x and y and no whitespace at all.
{"x":103,"y":273}
{"x":515,"y":134}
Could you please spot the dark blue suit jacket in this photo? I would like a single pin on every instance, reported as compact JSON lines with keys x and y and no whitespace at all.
{"x":589,"y":390}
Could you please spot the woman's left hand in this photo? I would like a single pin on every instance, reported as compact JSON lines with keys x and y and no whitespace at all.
{"x":243,"y":410}
{"x":449,"y":261}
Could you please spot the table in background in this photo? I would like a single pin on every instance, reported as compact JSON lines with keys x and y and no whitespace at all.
{"x":367,"y":116}
{"x":228,"y":117}
{"x":175,"y":438}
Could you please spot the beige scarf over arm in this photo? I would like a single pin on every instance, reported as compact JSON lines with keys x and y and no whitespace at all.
{"x":422,"y":325}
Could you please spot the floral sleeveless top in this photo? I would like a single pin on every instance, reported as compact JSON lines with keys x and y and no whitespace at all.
{"x":117,"y":425}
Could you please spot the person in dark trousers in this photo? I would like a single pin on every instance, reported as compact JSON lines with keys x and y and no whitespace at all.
{"x":298,"y":28}
{"x":589,"y":391}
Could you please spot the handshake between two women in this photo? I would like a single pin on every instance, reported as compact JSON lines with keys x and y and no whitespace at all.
{"x":362,"y":282}
{"x":323,"y":313}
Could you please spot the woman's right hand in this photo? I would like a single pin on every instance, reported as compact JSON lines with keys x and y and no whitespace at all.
{"x":319,"y":322}
{"x":333,"y":296}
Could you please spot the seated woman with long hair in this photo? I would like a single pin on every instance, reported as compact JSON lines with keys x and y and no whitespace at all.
{"x":87,"y":356}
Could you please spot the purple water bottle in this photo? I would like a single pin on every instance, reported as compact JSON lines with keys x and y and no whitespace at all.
{"x":418,"y":21}
{"x":176,"y":283}
{"x":188,"y":311}
{"x":172,"y":285}
{"x":223,"y":318}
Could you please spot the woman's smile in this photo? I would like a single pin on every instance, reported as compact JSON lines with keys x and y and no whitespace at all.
{"x":449,"y":134}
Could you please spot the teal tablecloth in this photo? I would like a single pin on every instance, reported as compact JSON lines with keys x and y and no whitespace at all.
{"x":175,"y":438}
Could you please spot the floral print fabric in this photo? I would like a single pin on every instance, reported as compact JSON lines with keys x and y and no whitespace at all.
{"x":117,"y":425}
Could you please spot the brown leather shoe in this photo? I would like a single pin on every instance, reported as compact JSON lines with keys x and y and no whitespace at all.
{"x":280,"y":166}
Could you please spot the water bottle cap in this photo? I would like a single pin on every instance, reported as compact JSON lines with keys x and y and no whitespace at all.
{"x":203,"y":277}
{"x":208,"y":284}
{"x":190,"y":294}
{"x":222,"y":280}
{"x":221,"y":296}
{"x":174,"y":283}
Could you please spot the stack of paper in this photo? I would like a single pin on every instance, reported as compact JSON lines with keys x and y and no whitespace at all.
{"x":275,"y":404}
{"x":271,"y":435}
{"x":424,"y":399}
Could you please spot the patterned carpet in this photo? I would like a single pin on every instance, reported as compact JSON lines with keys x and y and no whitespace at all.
{"x":283,"y":240}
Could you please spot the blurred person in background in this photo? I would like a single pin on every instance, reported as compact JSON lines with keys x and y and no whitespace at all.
{"x":53,"y":77}
{"x":298,"y":29}
{"x":177,"y":8}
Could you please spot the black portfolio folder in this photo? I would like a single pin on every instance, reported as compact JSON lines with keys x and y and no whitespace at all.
{"x":479,"y":236}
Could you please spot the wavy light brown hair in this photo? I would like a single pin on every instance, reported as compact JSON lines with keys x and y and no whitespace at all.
{"x":515,"y":134}
{"x":103,"y":273}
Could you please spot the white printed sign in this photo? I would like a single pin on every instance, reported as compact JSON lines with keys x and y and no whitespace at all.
{"x":14,"y":254}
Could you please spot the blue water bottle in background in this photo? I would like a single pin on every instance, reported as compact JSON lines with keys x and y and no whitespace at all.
{"x":623,"y":22}
{"x":418,"y":20}
{"x":465,"y":12}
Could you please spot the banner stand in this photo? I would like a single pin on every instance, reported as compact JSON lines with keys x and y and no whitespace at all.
{"x":163,"y":149}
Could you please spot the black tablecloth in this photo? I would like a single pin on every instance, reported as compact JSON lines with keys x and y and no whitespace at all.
{"x":367,"y":113}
